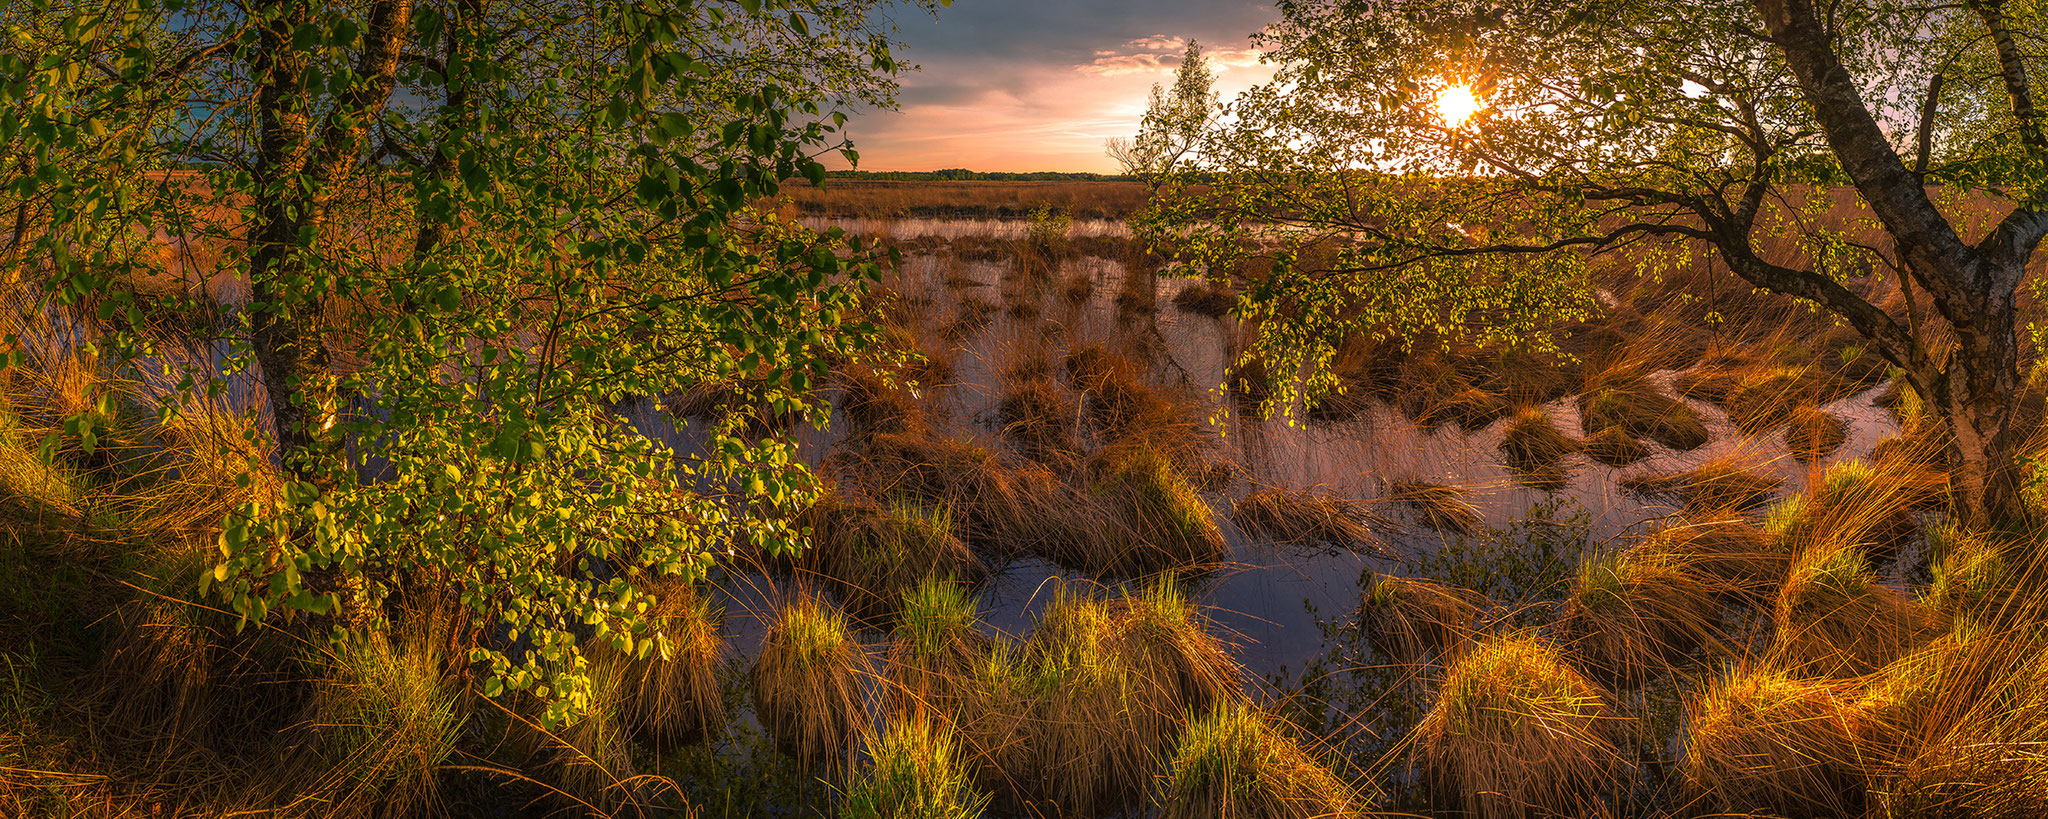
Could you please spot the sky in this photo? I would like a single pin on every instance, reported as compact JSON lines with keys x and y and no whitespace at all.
{"x":1039,"y":85}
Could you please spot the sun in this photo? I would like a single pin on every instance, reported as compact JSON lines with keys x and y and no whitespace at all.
{"x":1456,"y":104}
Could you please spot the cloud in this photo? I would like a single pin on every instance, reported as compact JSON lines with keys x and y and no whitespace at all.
{"x":1040,"y":85}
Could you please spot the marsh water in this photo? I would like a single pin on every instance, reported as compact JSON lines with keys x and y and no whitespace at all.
{"x":1273,"y":603}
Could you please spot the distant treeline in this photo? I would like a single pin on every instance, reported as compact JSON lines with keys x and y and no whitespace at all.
{"x":965,"y":175}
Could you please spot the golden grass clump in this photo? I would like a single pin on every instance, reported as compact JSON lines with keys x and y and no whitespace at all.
{"x":386,"y":720}
{"x":1075,"y":725}
{"x":671,"y":695}
{"x":1237,"y":762}
{"x":1833,"y":619}
{"x":1004,"y":508}
{"x":1638,"y":408}
{"x":1516,"y":732}
{"x":874,"y":403}
{"x":1764,"y":741}
{"x":1438,"y":506}
{"x":1533,"y":442}
{"x":1312,"y":519}
{"x":1812,"y":434}
{"x":915,"y":772}
{"x":1737,"y":561}
{"x":935,"y":649}
{"x":1971,"y":573}
{"x":1040,"y":420}
{"x":1718,"y":486}
{"x":1613,"y":446}
{"x":808,"y":683}
{"x":1474,"y":409}
{"x":1635,"y":614}
{"x":1083,"y":755}
{"x":1411,"y":620}
{"x":1156,"y":519}
{"x":1969,"y":714}
{"x":869,"y":555}
{"x":1866,"y":504}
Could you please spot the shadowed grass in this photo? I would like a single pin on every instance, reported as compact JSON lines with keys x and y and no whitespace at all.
{"x":1413,"y":620}
{"x":1813,"y":435}
{"x":870,"y":555}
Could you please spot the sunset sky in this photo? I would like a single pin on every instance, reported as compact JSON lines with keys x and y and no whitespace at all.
{"x":1038,"y":86}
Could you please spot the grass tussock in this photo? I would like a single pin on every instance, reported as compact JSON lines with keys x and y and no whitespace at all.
{"x":1717,"y":487}
{"x":1868,"y":504}
{"x":590,"y":762}
{"x":915,"y":772}
{"x":1437,"y":506}
{"x":1638,"y":408}
{"x":1205,"y":299}
{"x":1771,"y":397}
{"x":1737,"y":561}
{"x":1237,"y":762}
{"x":1758,"y":740}
{"x":1001,"y":507}
{"x":1970,"y":716}
{"x":1636,"y":614}
{"x":1833,"y":619}
{"x":1973,"y":571}
{"x":1074,"y":723}
{"x":934,"y":651}
{"x":1156,"y":519}
{"x":1040,"y":420}
{"x":1613,"y":446}
{"x":1812,"y":435}
{"x":808,"y":683}
{"x":671,"y":695}
{"x":1533,"y":442}
{"x":1515,"y":731}
{"x":1310,"y":519}
{"x":1412,"y":620}
{"x":387,"y":719}
{"x":877,"y":403}
{"x":870,"y":554}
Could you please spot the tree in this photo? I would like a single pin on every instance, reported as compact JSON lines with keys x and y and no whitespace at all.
{"x":1173,"y":123}
{"x":474,"y":235}
{"x":1726,"y":124}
